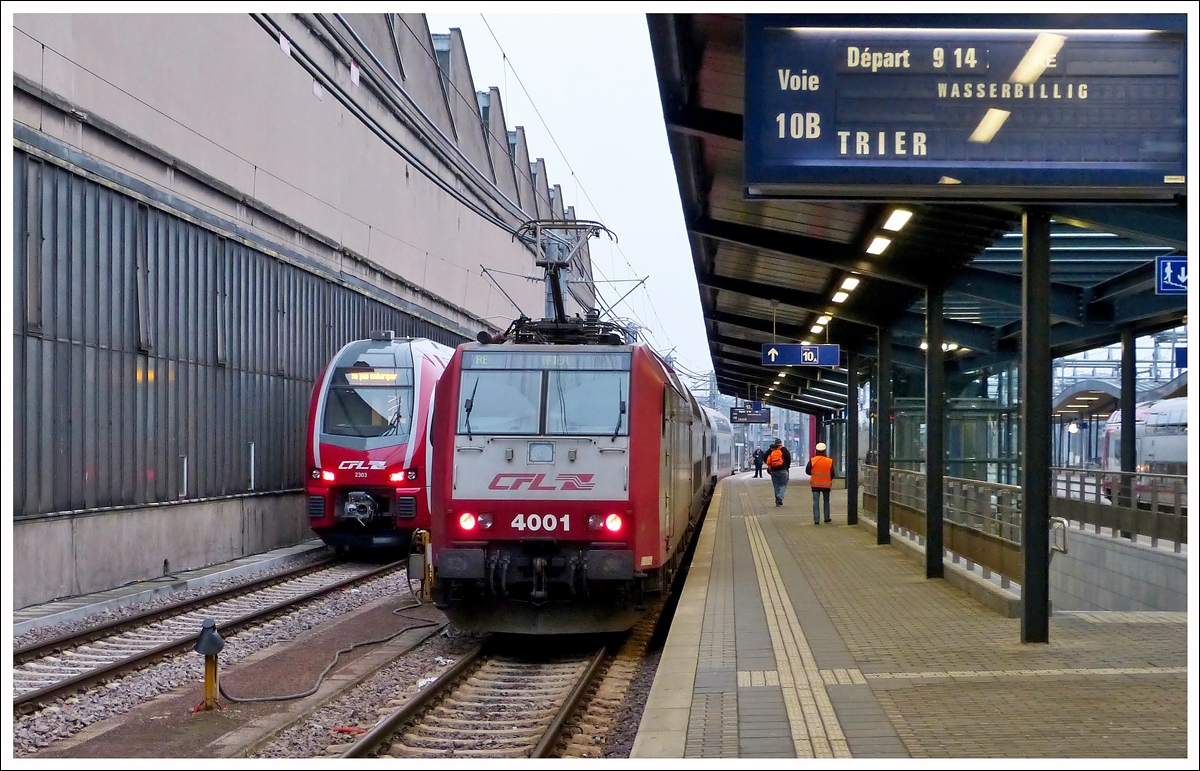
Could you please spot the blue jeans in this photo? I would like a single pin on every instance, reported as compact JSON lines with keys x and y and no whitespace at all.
{"x":779,"y":480}
{"x":817,"y":494}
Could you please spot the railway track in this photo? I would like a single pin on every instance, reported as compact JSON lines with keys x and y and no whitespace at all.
{"x":50,"y":670}
{"x":489,"y":704}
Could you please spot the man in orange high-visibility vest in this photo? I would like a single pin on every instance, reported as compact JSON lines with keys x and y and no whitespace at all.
{"x":820,"y":472}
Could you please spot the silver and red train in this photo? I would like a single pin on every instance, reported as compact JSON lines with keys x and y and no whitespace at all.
{"x":368,"y":442}
{"x":568,"y":479}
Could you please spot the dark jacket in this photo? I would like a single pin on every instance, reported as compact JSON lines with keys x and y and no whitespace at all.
{"x":787,"y":457}
{"x":758,"y":457}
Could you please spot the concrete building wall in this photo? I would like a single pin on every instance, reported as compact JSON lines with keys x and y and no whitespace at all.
{"x":464,"y":107}
{"x":506,"y":176}
{"x":272,"y":139}
{"x":1099,"y":572}
{"x":524,"y":172}
{"x":70,"y":555}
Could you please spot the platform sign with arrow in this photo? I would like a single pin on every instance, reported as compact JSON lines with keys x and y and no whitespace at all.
{"x":800,"y":355}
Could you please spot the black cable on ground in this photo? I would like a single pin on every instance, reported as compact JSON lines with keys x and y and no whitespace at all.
{"x":422,"y":623}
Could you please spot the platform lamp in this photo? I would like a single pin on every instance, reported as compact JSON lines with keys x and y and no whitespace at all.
{"x":208,"y":645}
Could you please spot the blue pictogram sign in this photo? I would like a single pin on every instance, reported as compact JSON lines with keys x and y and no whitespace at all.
{"x":1172,"y":275}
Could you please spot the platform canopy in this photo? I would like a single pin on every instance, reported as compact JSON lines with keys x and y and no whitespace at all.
{"x":771,"y":257}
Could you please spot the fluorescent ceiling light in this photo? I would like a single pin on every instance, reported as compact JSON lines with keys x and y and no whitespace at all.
{"x":816,"y":330}
{"x":1033,"y":64}
{"x":824,"y":320}
{"x":840,"y":297}
{"x":949,"y":181}
{"x":897,"y":220}
{"x":1088,"y":398}
{"x":949,"y":346}
{"x":879,"y":244}
{"x":924,"y":346}
{"x":776,"y":382}
{"x":782,"y":375}
{"x":1076,"y":405}
{"x":988,"y":127}
{"x":850,"y":283}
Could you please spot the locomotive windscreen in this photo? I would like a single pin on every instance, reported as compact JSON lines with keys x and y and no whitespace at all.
{"x":527,"y":393}
{"x":370,"y":396}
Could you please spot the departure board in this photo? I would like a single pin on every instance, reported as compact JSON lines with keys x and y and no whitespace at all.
{"x":879,"y":106}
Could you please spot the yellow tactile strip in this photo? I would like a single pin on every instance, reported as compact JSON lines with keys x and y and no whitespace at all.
{"x":968,"y":674}
{"x":815,"y":728}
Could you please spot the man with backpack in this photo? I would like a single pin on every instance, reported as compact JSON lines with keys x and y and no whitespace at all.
{"x":820,"y":472}
{"x":779,"y":460}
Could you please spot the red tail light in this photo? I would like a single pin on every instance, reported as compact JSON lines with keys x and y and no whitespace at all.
{"x":327,"y":476}
{"x":613,"y":522}
{"x":466,"y":521}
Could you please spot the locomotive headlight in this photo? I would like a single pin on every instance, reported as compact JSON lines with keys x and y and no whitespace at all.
{"x":466,"y":521}
{"x":485,"y":521}
{"x":316,"y":473}
{"x":595,"y":521}
{"x":412,"y":474}
{"x":397,"y":477}
{"x":613,"y":522}
{"x":327,"y":476}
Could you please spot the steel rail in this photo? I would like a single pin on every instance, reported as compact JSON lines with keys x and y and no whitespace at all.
{"x":36,"y":699}
{"x":548,"y":741}
{"x":73,"y":639}
{"x":384,"y":729}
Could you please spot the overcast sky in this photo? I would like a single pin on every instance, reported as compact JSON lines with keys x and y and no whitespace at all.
{"x":592,"y":79}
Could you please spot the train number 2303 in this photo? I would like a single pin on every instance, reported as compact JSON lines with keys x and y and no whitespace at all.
{"x":547,"y":522}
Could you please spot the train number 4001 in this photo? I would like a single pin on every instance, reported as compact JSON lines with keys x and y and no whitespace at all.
{"x":547,"y":522}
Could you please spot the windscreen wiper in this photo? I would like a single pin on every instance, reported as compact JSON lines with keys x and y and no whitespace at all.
{"x":621,"y":410}
{"x":470,"y":405}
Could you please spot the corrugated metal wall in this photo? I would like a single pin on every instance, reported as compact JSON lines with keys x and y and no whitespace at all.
{"x":142,"y":339}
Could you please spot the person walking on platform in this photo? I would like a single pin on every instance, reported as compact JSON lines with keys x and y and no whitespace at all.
{"x":758,"y":462}
{"x":820,"y":472}
{"x":779,"y":460}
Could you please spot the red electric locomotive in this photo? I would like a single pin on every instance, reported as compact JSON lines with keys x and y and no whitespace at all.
{"x":368,"y":448}
{"x":571,"y":468}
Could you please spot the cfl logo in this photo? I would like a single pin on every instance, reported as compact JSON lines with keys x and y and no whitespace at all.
{"x":372,"y":465}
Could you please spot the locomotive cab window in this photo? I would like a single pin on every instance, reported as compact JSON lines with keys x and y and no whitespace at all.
{"x":509,"y":392}
{"x":499,"y":402}
{"x":588,"y":403}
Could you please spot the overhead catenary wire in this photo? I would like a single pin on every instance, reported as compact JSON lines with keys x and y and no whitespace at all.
{"x":508,"y":62}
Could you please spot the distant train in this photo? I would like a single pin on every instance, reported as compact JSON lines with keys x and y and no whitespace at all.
{"x":368,"y":449}
{"x":1161,"y":442}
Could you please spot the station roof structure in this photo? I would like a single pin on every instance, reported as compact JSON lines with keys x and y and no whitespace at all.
{"x":771,"y":269}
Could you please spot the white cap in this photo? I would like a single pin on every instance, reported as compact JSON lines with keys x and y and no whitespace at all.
{"x":820,"y":447}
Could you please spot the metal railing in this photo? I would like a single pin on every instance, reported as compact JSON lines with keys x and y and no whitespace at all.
{"x":1138,"y":503}
{"x":988,"y":507}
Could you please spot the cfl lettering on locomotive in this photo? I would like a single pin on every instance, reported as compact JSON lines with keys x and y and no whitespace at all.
{"x":368,"y":449}
{"x":573,"y":467}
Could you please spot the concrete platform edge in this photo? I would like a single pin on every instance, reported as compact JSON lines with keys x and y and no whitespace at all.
{"x":663,"y":730}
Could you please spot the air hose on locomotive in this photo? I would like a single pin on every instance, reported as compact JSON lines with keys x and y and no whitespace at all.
{"x":420,"y":547}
